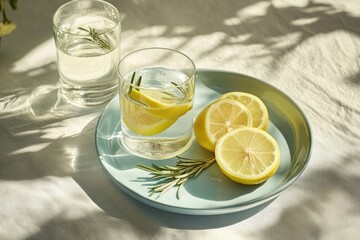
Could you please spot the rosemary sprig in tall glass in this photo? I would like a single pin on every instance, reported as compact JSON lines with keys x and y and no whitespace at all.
{"x":95,"y":38}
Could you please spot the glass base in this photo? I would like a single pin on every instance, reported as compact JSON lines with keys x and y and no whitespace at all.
{"x":156,"y":149}
{"x":89,"y":96}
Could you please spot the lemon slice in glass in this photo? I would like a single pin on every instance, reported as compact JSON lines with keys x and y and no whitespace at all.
{"x":248,"y":155}
{"x":254,"y":104}
{"x":148,"y":113}
{"x":219,"y":118}
{"x":161,"y":105}
{"x":138,"y":119}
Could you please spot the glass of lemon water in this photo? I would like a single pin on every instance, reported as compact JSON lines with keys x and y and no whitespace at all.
{"x":156,"y":94}
{"x":87,"y":38}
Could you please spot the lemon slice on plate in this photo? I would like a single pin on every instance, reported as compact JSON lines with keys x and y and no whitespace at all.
{"x":254,"y":104}
{"x":219,"y":118}
{"x":248,"y":155}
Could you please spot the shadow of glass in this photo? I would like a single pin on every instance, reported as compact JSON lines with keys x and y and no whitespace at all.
{"x":47,"y":102}
{"x":41,"y":103}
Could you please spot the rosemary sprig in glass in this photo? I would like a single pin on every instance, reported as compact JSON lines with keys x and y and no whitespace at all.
{"x":173,"y":96}
{"x":167,"y":177}
{"x":137,"y":84}
{"x":95,"y":38}
{"x":182,"y":90}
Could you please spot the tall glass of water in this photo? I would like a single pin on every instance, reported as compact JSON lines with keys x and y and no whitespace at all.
{"x":156,"y":102}
{"x":87,"y":38}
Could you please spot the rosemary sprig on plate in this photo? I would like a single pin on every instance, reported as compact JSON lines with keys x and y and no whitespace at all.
{"x":95,"y":38}
{"x":167,"y":177}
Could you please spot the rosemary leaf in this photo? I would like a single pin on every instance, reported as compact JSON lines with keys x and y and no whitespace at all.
{"x":202,"y":167}
{"x":165,"y":186}
{"x":172,"y":168}
{"x":179,"y":88}
{"x":131,"y":83}
{"x":178,"y":192}
{"x":186,"y":164}
{"x":138,"y":83}
{"x":147,"y":168}
{"x":171,"y":96}
{"x":183,"y":176}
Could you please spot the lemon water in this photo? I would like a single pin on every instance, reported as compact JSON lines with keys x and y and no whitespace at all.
{"x":161,"y":128}
{"x":87,"y":70}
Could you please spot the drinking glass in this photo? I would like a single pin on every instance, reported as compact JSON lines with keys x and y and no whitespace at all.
{"x":156,"y":93}
{"x":87,"y":38}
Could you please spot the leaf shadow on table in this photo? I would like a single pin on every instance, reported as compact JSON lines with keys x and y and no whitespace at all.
{"x":273,"y":31}
{"x":323,"y":188}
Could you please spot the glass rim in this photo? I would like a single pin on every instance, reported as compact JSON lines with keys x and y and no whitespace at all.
{"x":193,"y":67}
{"x":55,"y":26}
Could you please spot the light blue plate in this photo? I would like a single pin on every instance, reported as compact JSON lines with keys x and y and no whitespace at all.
{"x":212,"y":192}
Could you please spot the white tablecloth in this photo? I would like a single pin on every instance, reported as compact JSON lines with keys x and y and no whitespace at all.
{"x":52,"y":186}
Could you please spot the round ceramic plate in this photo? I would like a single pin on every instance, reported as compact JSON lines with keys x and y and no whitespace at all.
{"x":211,"y":192}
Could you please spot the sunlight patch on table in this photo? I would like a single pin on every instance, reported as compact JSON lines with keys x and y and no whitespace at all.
{"x":30,"y":149}
{"x":38,"y":57}
{"x":304,"y":21}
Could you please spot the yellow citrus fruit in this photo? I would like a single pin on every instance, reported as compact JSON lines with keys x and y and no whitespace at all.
{"x":254,"y":104}
{"x":217,"y":119}
{"x":138,"y":119}
{"x":248,"y":155}
{"x":149,"y":113}
{"x":161,"y":105}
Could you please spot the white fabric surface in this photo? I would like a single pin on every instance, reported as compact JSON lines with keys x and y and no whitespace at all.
{"x":52,"y":185}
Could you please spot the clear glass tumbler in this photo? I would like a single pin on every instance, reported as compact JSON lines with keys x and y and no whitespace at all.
{"x":87,"y":38}
{"x":156,"y":92}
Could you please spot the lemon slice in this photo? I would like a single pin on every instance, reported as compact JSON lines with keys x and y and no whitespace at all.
{"x":248,"y":155}
{"x":160,"y":105}
{"x":138,"y":119}
{"x":254,"y":104}
{"x":219,"y":118}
